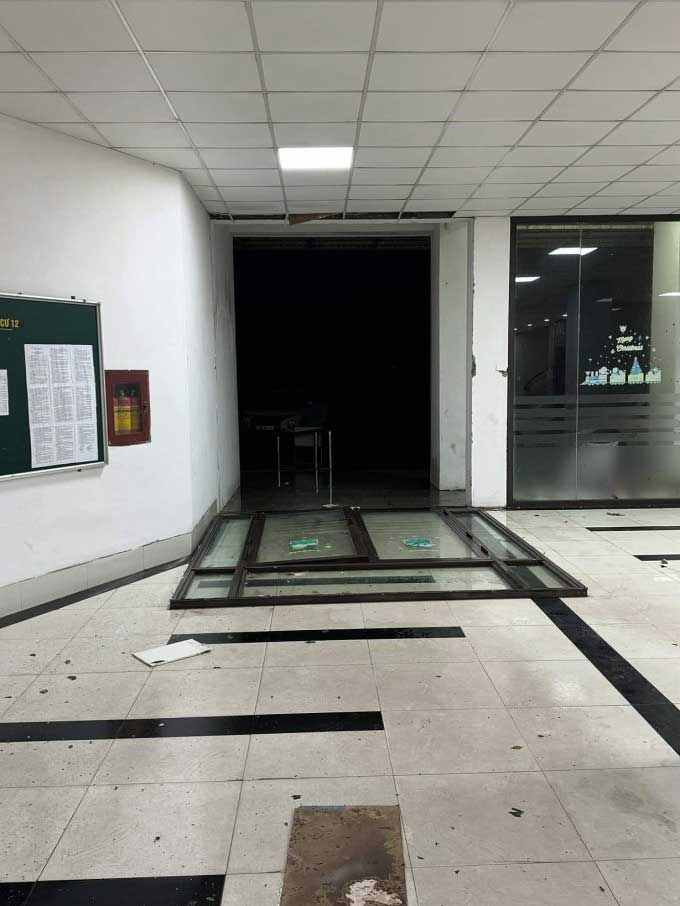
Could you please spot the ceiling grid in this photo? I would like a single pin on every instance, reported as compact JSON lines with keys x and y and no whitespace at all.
{"x":482,"y":107}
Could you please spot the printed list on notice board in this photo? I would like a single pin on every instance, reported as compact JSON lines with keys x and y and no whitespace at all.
{"x":62,"y":404}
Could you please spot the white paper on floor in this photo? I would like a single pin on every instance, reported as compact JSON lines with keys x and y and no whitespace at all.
{"x":166,"y":654}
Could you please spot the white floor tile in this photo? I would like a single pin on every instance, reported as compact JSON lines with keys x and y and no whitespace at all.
{"x":151,"y":830}
{"x":536,"y":684}
{"x":232,"y":619}
{"x":451,"y":742}
{"x":126,"y":621}
{"x":521,"y":643}
{"x":191,"y":693}
{"x":104,"y":655}
{"x":473,"y":819}
{"x":154,"y":594}
{"x":509,"y":612}
{"x":341,"y":754}
{"x":57,"y":763}
{"x":311,"y":654}
{"x":422,"y":687}
{"x":186,"y":759}
{"x":317,"y":616}
{"x":302,"y":689}
{"x":411,"y":651}
{"x":89,"y":696}
{"x":664,"y":673}
{"x":632,"y":640}
{"x":11,"y":688}
{"x":623,"y":814}
{"x":410,"y":613}
{"x":643,"y":882}
{"x":57,"y":624}
{"x":25,"y":656}
{"x":252,"y":890}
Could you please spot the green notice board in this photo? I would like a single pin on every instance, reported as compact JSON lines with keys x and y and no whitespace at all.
{"x":51,"y":403}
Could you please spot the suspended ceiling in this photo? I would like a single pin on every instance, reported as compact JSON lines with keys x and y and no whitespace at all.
{"x":533,"y":107}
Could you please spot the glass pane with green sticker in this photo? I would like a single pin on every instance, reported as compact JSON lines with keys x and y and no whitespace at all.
{"x":305,"y":536}
{"x":216,"y":585}
{"x":416,"y":535}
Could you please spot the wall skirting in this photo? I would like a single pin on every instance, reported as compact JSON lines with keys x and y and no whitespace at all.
{"x":76,"y":579}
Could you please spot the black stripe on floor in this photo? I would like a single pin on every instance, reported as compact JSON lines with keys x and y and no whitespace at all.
{"x":647,"y":700}
{"x":633,"y":528}
{"x":199,"y":890}
{"x":322,"y":635}
{"x":657,"y":556}
{"x":155,"y":728}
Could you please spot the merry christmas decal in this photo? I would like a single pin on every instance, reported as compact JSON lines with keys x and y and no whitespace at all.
{"x":616,"y":358}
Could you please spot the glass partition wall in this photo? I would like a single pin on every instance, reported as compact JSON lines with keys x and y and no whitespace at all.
{"x":595,"y":362}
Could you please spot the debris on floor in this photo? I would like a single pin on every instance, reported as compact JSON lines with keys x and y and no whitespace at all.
{"x":345,"y":856}
{"x":166,"y":654}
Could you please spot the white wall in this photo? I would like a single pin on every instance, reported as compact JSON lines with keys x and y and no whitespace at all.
{"x":490,"y":353}
{"x":81,"y":220}
{"x":451,"y":296}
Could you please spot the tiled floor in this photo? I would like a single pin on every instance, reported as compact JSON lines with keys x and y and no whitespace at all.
{"x":523,"y":775}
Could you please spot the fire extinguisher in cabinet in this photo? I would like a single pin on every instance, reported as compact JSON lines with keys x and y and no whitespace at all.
{"x":135,"y":412}
{"x":122,"y":413}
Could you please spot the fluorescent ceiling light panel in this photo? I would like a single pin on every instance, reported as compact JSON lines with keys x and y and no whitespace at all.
{"x":573,"y":250}
{"x":669,"y":294}
{"x":315,"y":158}
{"x":526,"y":279}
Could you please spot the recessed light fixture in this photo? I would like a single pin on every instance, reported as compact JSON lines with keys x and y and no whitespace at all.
{"x":574,"y":250}
{"x":530,"y":325}
{"x":675,"y":293}
{"x":547,"y":320}
{"x":526,"y":279}
{"x":564,"y":316}
{"x":315,"y":158}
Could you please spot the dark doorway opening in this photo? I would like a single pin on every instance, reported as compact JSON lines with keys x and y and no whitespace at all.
{"x":336,"y":333}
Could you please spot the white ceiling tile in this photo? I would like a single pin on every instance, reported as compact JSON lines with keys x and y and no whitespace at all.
{"x":296,"y":193}
{"x":361,"y":191}
{"x":246,"y":177}
{"x":644,"y":209}
{"x":207,"y":193}
{"x":17,"y":74}
{"x":527,"y":211}
{"x":644,"y":134}
{"x":541,"y":204}
{"x":597,"y":105}
{"x":655,"y":26}
{"x":219,"y":106}
{"x":623,"y":154}
{"x":671,"y":190}
{"x":230,"y":135}
{"x":144,"y":135}
{"x":78,"y":130}
{"x":561,"y":134}
{"x":560,"y":25}
{"x":391,"y":157}
{"x":486,"y":134}
{"x":251,"y":193}
{"x":434,"y":192}
{"x":409,"y":106}
{"x":314,"y":106}
{"x":523,"y":174}
{"x":268,"y":208}
{"x":444,"y":204}
{"x":421,"y":71}
{"x":314,"y":134}
{"x":6,"y":42}
{"x":197,"y":177}
{"x":513,"y":71}
{"x":571,"y":189}
{"x":526,"y":156}
{"x":654,"y":172}
{"x":665,"y":106}
{"x":300,"y":25}
{"x":468,"y":157}
{"x":427,"y":25}
{"x":239,"y":158}
{"x":314,"y":71}
{"x":486,"y":205}
{"x":316,"y":177}
{"x":37,"y":107}
{"x":451,"y":175}
{"x":97,"y":71}
{"x":385,"y":175}
{"x":608,"y":201}
{"x":122,"y":106}
{"x":502,"y":105}
{"x":169,"y":157}
{"x":188,"y":24}
{"x":591,"y":174}
{"x":64,"y":25}
{"x":367,"y":205}
{"x":634,"y":188}
{"x":316,"y":207}
{"x":206,"y":71}
{"x":661,"y":199}
{"x":591,"y":212}
{"x":399,"y":134}
{"x":507,"y":190}
{"x":216,"y":207}
{"x":630,"y":71}
{"x":669,"y":156}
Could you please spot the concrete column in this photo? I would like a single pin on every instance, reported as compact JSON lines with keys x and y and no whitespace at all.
{"x":490,"y":313}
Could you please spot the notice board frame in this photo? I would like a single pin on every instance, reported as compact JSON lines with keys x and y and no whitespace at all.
{"x":101,"y":396}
